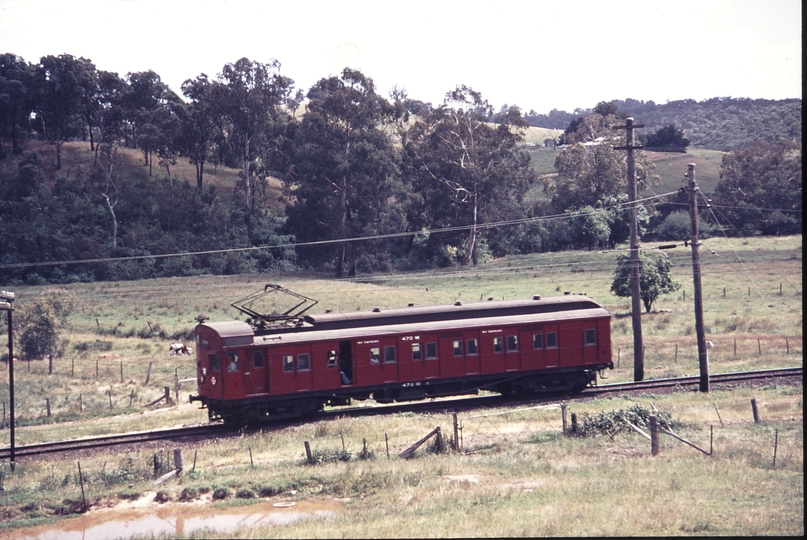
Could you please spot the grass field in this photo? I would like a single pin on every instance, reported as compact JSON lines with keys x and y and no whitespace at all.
{"x":515,"y":463}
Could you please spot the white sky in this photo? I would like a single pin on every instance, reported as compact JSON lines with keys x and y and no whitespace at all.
{"x":536,"y":54}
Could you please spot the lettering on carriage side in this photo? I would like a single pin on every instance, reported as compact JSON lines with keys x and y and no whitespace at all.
{"x":410,"y":338}
{"x":497,"y":331}
{"x":368,"y":342}
{"x":410,"y":384}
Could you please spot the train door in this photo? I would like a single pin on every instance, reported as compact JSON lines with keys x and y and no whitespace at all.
{"x":452,"y":354}
{"x":304,"y":373}
{"x":491,"y":345}
{"x":412,"y":358}
{"x":570,"y":336}
{"x":368,"y":362}
{"x":255,"y":372}
{"x":233,"y":374}
{"x":551,"y":345}
{"x":431,"y":356}
{"x":512,"y":356}
{"x":324,"y":366}
{"x":472,"y":353}
{"x":345,"y":363}
{"x":390,"y":372}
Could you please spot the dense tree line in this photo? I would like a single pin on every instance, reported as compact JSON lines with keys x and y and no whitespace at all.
{"x":723,"y":123}
{"x":370,"y":182}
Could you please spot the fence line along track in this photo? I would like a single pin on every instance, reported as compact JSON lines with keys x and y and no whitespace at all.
{"x":422,"y":406}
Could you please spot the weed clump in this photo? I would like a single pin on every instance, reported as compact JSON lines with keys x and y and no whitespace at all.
{"x":221,"y":493}
{"x":611,"y":423}
{"x":245,"y":493}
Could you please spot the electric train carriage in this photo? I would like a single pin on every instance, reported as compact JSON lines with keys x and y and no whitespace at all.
{"x":263,"y":371}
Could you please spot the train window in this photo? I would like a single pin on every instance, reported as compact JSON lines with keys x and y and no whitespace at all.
{"x":473,"y":346}
{"x":498,"y":344}
{"x":551,"y":340}
{"x":331,"y":358}
{"x":457,"y":347}
{"x":288,"y":362}
{"x":303,"y":362}
{"x":591,"y":336}
{"x":375,"y":355}
{"x":537,"y":341}
{"x":512,"y":343}
{"x":417,"y":354}
{"x":389,"y":354}
{"x":431,"y":351}
{"x":233,"y":363}
{"x":257,"y":359}
{"x":215,"y":362}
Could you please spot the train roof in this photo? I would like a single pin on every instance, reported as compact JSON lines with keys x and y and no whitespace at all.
{"x":433,"y":326}
{"x":459,"y":310}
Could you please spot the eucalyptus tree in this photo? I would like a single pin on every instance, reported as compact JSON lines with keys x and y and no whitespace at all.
{"x":61,"y":85}
{"x":343,"y":181}
{"x":199,"y":121}
{"x":16,"y":100}
{"x":468,"y":171}
{"x":252,"y":96}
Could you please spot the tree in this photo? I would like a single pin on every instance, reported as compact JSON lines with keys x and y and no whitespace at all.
{"x":760,"y":188}
{"x":343,"y":175}
{"x":654,"y":278}
{"x":252,"y":94}
{"x":667,"y":136}
{"x":467,"y":171}
{"x":199,"y":122}
{"x":61,"y":82}
{"x":586,"y":174}
{"x":16,"y":100}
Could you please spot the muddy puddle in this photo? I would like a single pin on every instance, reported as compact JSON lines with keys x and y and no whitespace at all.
{"x":179,"y":520}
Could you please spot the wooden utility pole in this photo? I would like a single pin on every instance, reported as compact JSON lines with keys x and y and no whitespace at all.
{"x":703,"y":354}
{"x":635,"y":291}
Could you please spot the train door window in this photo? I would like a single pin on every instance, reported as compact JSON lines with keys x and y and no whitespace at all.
{"x":303,"y":362}
{"x":537,"y":341}
{"x":473,"y":346}
{"x":257,"y":359}
{"x":498,"y":344}
{"x":331,"y":359}
{"x":431,"y":351}
{"x":551,"y":340}
{"x":215,"y":362}
{"x":232,"y":365}
{"x":417,"y":353}
{"x":288,"y":362}
{"x":457,"y":347}
{"x":389,"y":354}
{"x":512,"y":343}
{"x":591,"y":336}
{"x":375,"y":355}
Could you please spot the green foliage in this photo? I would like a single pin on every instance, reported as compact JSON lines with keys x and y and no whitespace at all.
{"x":760,"y":188}
{"x":654,"y":278}
{"x":668,"y":136}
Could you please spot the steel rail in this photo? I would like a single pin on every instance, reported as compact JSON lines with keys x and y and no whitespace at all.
{"x":420,"y":406}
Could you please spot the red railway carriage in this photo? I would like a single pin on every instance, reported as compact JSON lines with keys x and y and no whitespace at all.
{"x":531,"y":346}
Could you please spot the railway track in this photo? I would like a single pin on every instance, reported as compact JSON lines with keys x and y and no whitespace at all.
{"x":423,"y":406}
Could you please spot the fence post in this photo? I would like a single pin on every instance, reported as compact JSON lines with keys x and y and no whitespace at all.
{"x":759,"y":346}
{"x":47,"y":405}
{"x":676,"y":352}
{"x":148,"y":374}
{"x":179,"y":461}
{"x":81,"y":482}
{"x":574,"y":423}
{"x":563,"y":416}
{"x":755,"y":410}
{"x":50,"y":364}
{"x":308,"y":453}
{"x":653,"y":435}
{"x":456,"y":434}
